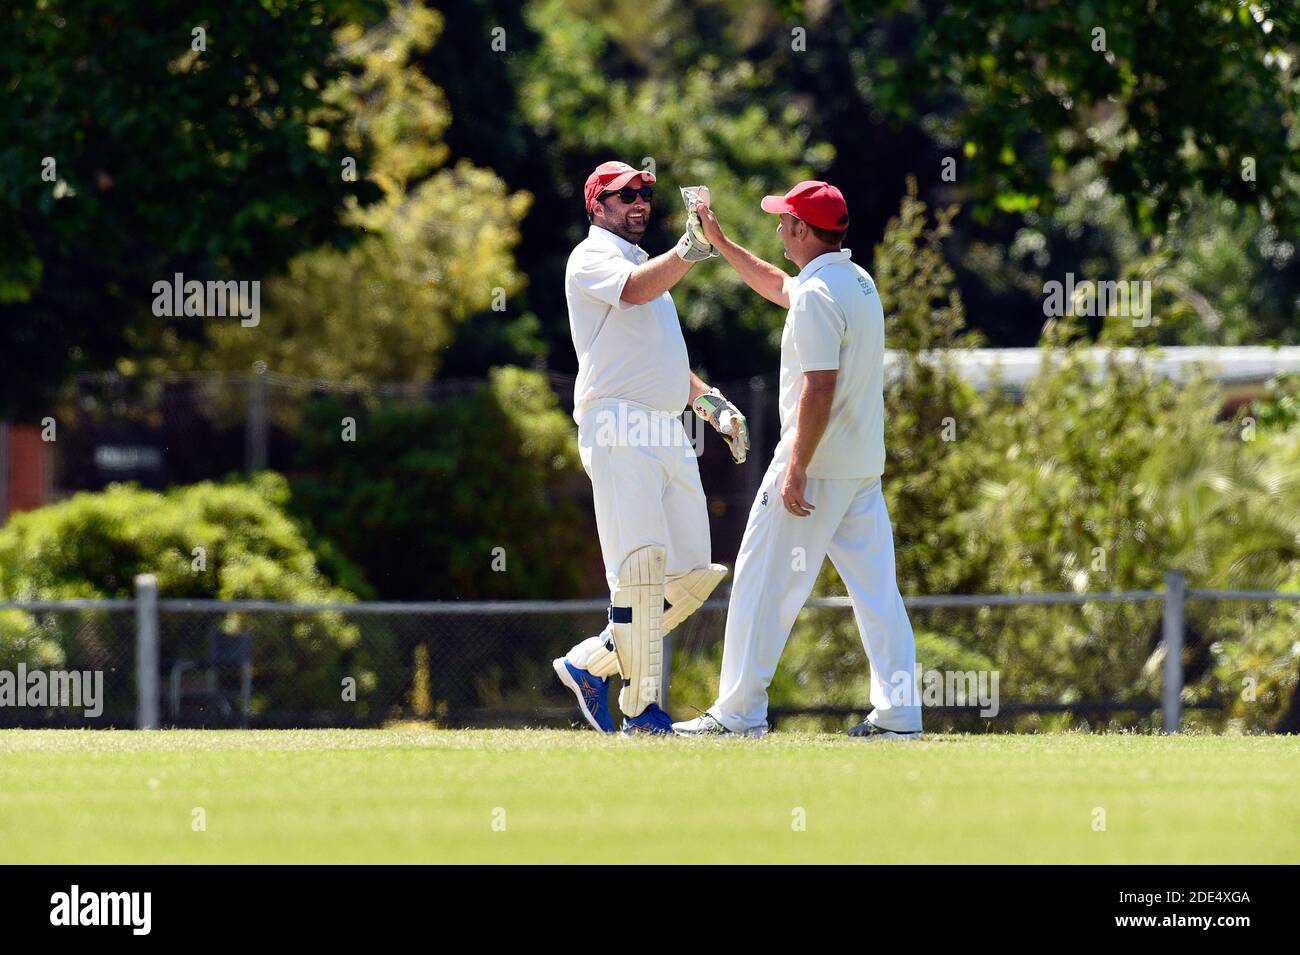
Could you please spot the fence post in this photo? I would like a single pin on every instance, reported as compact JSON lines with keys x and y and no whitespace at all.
{"x":1172,"y":697}
{"x":146,"y":652}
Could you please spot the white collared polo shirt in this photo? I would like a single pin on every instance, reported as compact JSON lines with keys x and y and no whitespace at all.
{"x":625,"y":352}
{"x":836,"y":320}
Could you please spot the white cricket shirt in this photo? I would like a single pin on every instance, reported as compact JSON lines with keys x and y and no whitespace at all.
{"x":629,"y":352}
{"x":836,"y":321}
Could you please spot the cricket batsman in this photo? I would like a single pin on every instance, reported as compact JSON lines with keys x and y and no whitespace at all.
{"x":634,"y":380}
{"x":821,"y":493}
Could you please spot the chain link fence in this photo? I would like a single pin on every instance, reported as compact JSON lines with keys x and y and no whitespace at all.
{"x":1142,"y":660}
{"x":95,"y":640}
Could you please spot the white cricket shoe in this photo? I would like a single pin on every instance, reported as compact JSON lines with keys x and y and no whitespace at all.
{"x":869,"y":730}
{"x":706,"y":725}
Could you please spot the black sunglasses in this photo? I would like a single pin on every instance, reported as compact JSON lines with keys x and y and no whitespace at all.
{"x":627,"y":195}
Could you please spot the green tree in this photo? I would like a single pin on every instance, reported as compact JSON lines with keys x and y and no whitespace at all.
{"x":1196,"y":89}
{"x":436,"y":249}
{"x":1191,"y":183}
{"x":929,"y":410}
{"x":164,"y":158}
{"x":1220,"y":274}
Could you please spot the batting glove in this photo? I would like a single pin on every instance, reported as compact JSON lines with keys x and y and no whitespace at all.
{"x":726,"y":419}
{"x":693,"y":246}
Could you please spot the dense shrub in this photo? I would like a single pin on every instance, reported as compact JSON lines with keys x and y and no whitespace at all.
{"x":470,"y":498}
{"x":226,"y":541}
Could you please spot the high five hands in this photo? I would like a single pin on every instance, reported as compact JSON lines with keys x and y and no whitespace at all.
{"x":709,"y":224}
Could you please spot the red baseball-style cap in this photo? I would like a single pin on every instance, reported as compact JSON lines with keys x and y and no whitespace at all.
{"x":611,"y":175}
{"x":815,"y":202}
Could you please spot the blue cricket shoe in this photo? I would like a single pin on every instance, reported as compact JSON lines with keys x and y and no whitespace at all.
{"x":592,"y":693}
{"x":652,"y":720}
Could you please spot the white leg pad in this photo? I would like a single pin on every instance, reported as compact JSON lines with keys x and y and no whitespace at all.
{"x":686,"y":592}
{"x":596,"y":655}
{"x":636,"y":622}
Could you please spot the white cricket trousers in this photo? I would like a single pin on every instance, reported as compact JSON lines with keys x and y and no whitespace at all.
{"x":645,"y":486}
{"x":779,"y":560}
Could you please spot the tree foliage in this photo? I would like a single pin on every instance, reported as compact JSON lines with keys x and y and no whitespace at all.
{"x":436,"y":249}
{"x":1196,"y":88}
{"x":1221,"y":274}
{"x":463,"y":499}
{"x":163,"y":159}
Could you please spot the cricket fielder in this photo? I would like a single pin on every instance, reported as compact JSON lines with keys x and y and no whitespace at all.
{"x":634,"y":381}
{"x":821,"y":493}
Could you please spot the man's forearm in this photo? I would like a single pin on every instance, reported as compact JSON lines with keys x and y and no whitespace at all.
{"x":698,"y":387}
{"x":763,"y":277}
{"x":651,"y":279}
{"x":813,"y":415}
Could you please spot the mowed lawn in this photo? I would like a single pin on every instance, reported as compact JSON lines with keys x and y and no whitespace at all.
{"x":420,"y":795}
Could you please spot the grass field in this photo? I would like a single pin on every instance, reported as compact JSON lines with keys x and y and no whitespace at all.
{"x":445,"y":796}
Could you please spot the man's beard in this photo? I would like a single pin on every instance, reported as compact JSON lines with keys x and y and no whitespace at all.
{"x":620,"y":227}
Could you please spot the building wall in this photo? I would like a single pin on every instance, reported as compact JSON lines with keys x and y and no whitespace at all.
{"x":25,"y":459}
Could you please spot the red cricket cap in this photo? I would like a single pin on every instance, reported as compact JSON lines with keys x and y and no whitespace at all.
{"x":815,"y":202}
{"x":611,"y":175}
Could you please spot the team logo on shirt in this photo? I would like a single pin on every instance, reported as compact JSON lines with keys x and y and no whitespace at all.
{"x":764,"y":499}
